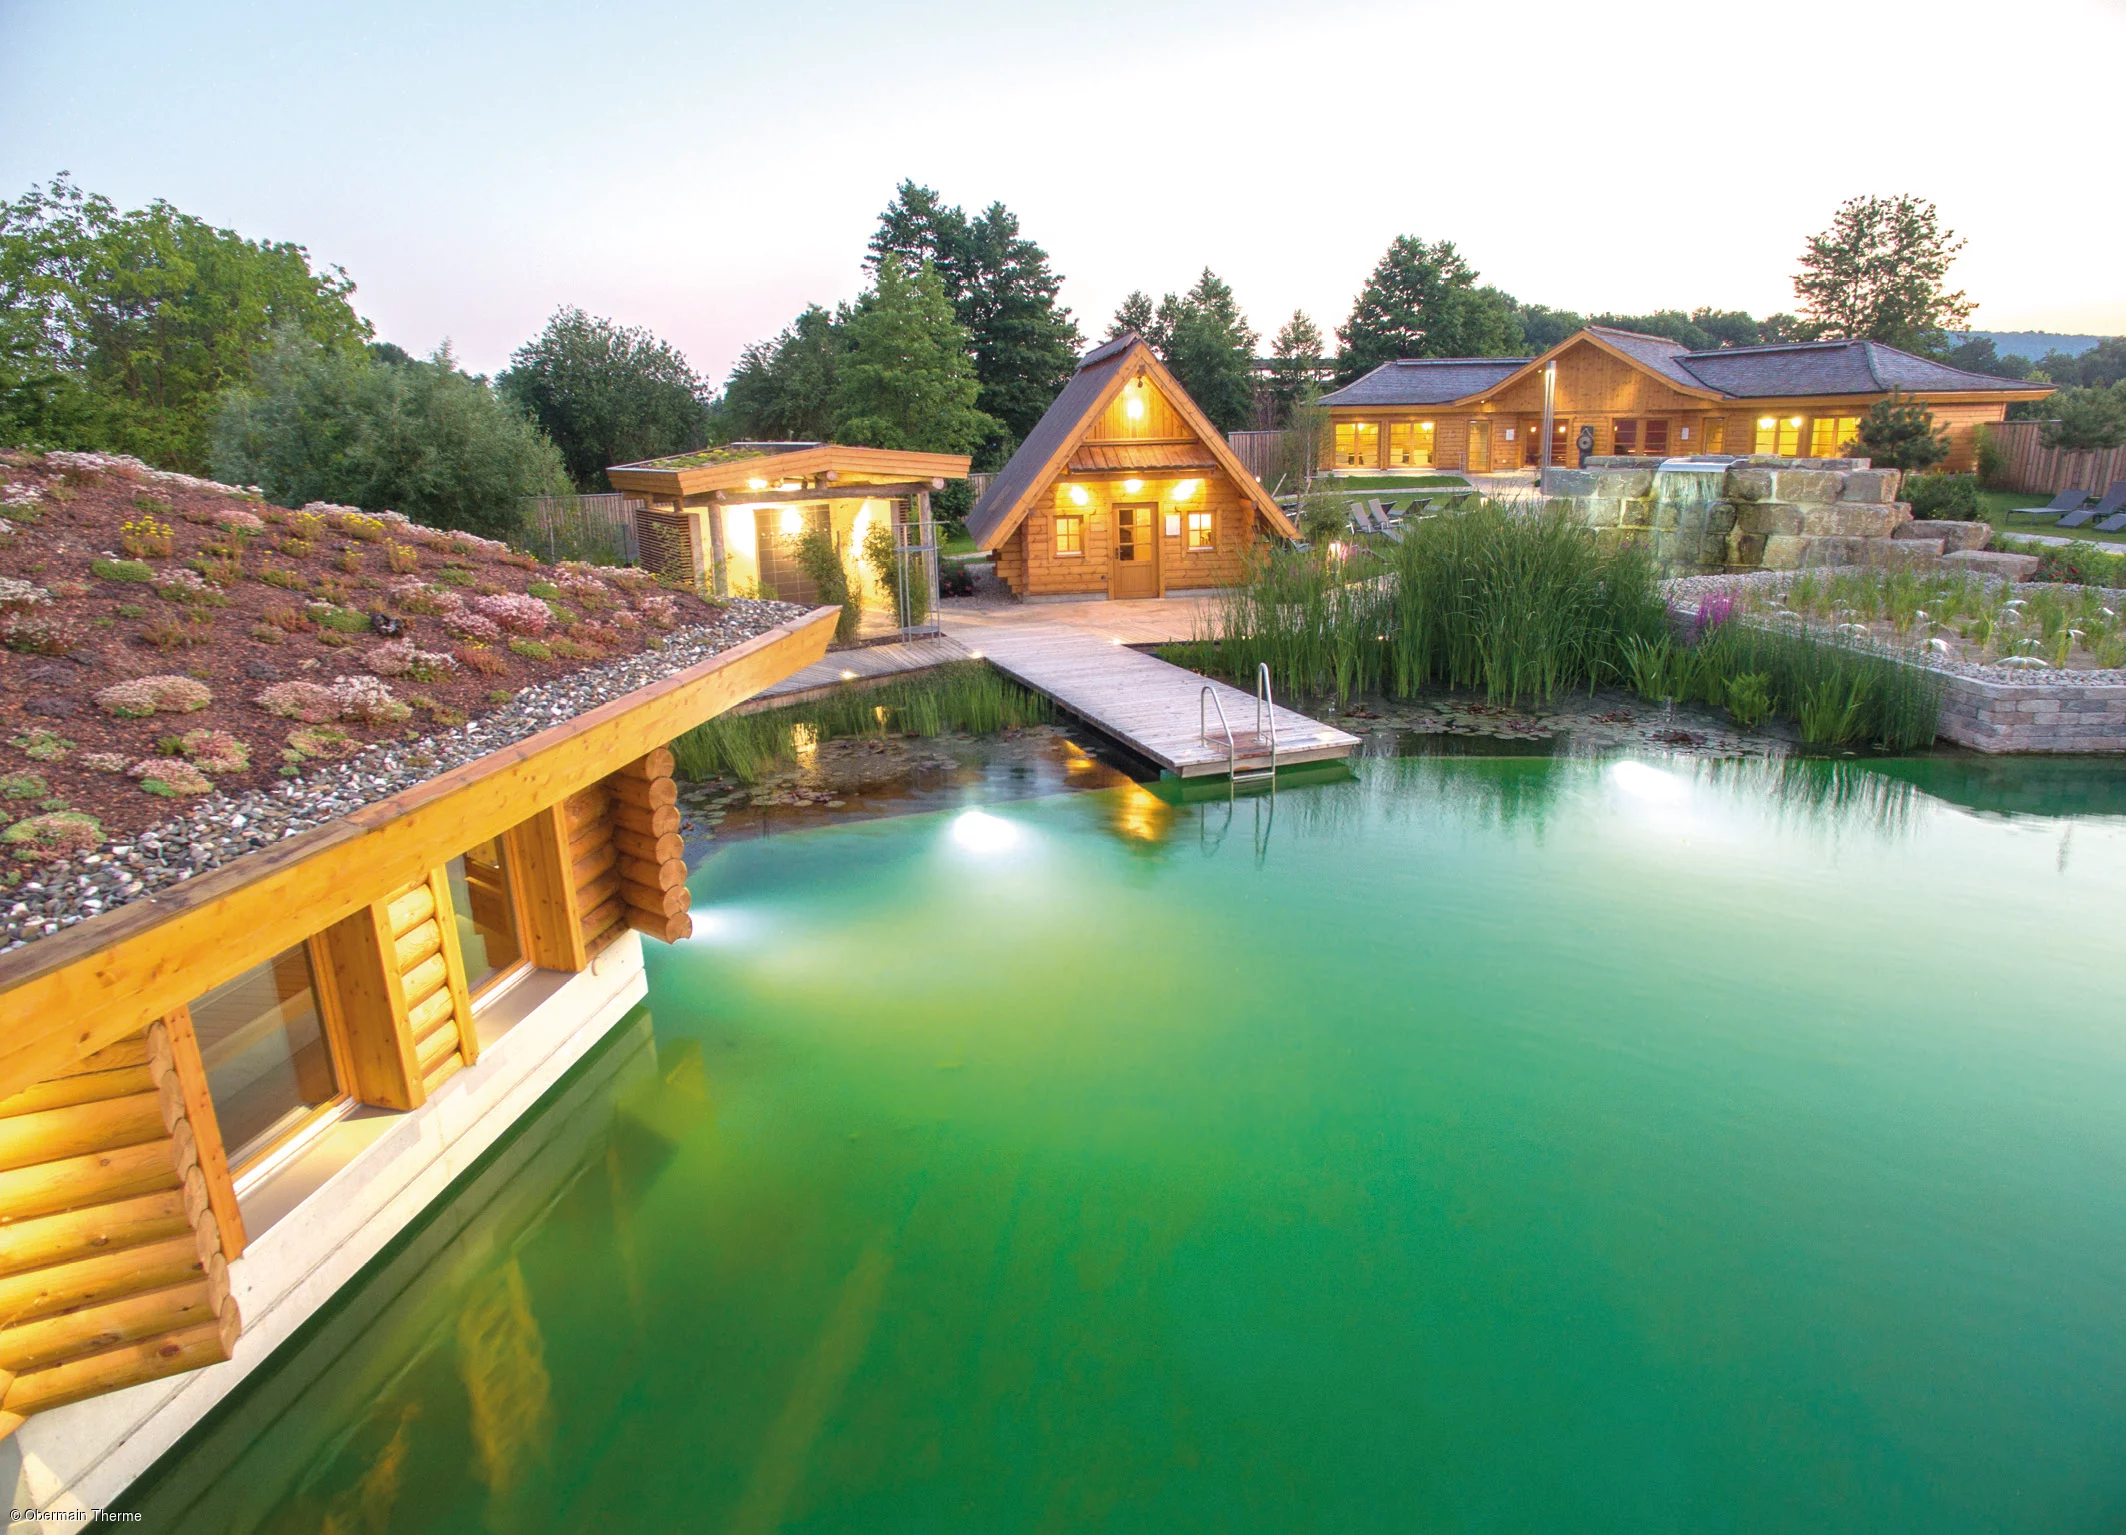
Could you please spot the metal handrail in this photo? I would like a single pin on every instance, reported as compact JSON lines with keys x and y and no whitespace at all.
{"x":1264,"y":699}
{"x":1203,"y":728}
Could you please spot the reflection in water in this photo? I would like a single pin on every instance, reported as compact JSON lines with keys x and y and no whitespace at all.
{"x":502,"y":1361}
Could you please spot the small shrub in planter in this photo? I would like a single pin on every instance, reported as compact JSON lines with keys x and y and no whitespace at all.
{"x":471,"y":626}
{"x":37,"y":634}
{"x":311,"y":702}
{"x":514,"y":612}
{"x":322,"y":743}
{"x":369,"y":700}
{"x":401,"y":658}
{"x":140,"y":697}
{"x":661,"y":610}
{"x":147,"y":537}
{"x":105,"y":762}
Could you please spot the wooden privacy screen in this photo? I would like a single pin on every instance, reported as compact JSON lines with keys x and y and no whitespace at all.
{"x":117,"y":1224}
{"x":625,"y":861}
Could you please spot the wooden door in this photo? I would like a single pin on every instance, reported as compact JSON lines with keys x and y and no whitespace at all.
{"x":1136,"y":568}
{"x":1479,"y":456}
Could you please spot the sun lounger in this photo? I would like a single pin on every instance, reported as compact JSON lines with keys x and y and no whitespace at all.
{"x":2065,"y":501}
{"x":2113,"y":524}
{"x":2114,"y":498}
{"x":1361,"y":519}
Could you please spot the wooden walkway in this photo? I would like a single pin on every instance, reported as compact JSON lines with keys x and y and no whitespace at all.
{"x":1150,"y":706}
{"x":871,"y":663}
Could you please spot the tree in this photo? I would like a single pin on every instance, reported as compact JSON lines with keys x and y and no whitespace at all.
{"x":127,"y":327}
{"x":1024,"y":343}
{"x":318,"y":423}
{"x":784,"y":390}
{"x":1543,"y":328}
{"x":2086,"y":418}
{"x":1880,"y":273}
{"x":1295,"y":364}
{"x":1210,"y":347}
{"x":906,"y":377}
{"x":1422,"y":301}
{"x":1135,"y":315}
{"x":605,"y":394}
{"x":1899,"y":432}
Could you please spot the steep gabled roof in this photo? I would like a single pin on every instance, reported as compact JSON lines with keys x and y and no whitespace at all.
{"x":1048,"y":448}
{"x":1426,"y":381}
{"x":1836,"y":367}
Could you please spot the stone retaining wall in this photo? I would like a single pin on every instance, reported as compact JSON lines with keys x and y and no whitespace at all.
{"x":2032,"y":716}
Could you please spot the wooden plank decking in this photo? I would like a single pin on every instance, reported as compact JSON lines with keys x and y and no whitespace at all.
{"x":1149,"y":705}
{"x":872,"y":663}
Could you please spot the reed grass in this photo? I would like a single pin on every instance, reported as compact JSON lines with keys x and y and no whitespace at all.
{"x":966,"y":696}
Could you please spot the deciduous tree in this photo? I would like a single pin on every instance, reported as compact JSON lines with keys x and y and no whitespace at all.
{"x":784,"y":390}
{"x":906,"y":376}
{"x":606,"y":394}
{"x":1422,"y":300}
{"x":1880,"y":273}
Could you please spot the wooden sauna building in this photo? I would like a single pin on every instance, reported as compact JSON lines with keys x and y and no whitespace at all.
{"x":728,"y":519}
{"x":220,"y":1100}
{"x":1644,"y":395}
{"x":1124,"y":490}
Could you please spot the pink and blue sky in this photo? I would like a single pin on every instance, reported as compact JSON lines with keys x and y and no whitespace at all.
{"x":706,"y":170}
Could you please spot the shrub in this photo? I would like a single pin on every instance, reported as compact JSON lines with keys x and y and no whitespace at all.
{"x":401,"y":557}
{"x":24,"y":786}
{"x":514,"y":612}
{"x":121,"y":570}
{"x":105,"y":762}
{"x":367,"y":699}
{"x":573,"y":650}
{"x":1943,"y":497}
{"x":400,"y":658}
{"x":533,"y":650}
{"x":143,"y":696}
{"x":1899,"y":432}
{"x":42,"y":745}
{"x":417,"y":596}
{"x":456,"y":575}
{"x":60,"y":835}
{"x":346,"y":620}
{"x":146,"y":537}
{"x":38,"y":634}
{"x":544,"y":590}
{"x":215,"y":751}
{"x":170,"y":777}
{"x":238,"y":520}
{"x":660,"y":609}
{"x":311,"y":702}
{"x":358,"y":525}
{"x":322,"y":742}
{"x":481,"y":661}
{"x":284,"y":578}
{"x":817,"y":557}
{"x":1992,"y":460}
{"x":179,"y":633}
{"x":471,"y":626}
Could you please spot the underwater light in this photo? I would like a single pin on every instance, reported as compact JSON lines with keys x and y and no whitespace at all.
{"x":979,"y":832}
{"x":1646,"y":783}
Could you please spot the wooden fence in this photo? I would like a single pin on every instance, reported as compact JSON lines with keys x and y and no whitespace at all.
{"x":596,"y":528}
{"x":2038,"y":470}
{"x":1261,"y":453}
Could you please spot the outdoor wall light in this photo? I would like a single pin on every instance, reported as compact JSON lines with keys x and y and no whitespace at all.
{"x":1132,"y":487}
{"x":1184,"y":490}
{"x":1133,"y":407}
{"x":1767,"y":421}
{"x":1426,"y":425}
{"x":756,"y":485}
{"x":1078,"y":497}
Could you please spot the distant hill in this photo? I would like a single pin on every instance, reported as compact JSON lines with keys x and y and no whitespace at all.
{"x":2034,"y":344}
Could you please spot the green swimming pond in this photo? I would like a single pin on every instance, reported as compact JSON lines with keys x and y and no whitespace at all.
{"x":1475,"y":1145}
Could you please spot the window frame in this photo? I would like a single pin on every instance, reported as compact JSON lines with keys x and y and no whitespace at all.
{"x":1356,"y":456}
{"x":1077,"y":521}
{"x":502,"y":980}
{"x":1210,"y":532}
{"x":1624,"y":437}
{"x":249,"y":1166}
{"x":1418,"y":439}
{"x":1647,"y":429}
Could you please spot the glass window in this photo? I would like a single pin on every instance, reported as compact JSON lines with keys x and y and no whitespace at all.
{"x":1410,"y":445}
{"x":1357,"y":444}
{"x":1780,"y":435}
{"x":1657,"y":437}
{"x":269,"y":1065}
{"x":1202,"y":532}
{"x":486,"y":913}
{"x":1626,"y":437}
{"x":1070,"y":535}
{"x":1829,"y":435}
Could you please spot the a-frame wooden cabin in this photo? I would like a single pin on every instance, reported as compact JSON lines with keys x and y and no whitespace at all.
{"x":1124,"y":489}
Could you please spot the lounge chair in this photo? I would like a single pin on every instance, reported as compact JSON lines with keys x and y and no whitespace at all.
{"x":1381,"y":515}
{"x":2114,"y":498}
{"x":2065,"y":501}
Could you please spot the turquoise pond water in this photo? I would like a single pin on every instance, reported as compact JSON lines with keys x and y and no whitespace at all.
{"x":1481,"y":1144}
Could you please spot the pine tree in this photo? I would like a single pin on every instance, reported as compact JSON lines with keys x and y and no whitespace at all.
{"x":1135,"y":315}
{"x":906,"y":376}
{"x":1880,"y":273}
{"x":1295,"y":361}
{"x":1899,"y":432}
{"x":1422,"y":301}
{"x":1211,"y":349}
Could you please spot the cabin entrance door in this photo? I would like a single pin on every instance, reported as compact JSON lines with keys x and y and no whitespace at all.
{"x":1136,"y":568}
{"x":1479,"y":455}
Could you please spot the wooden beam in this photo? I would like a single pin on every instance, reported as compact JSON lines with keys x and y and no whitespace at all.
{"x":893,"y":492}
{"x":539,"y":859}
{"x":189,"y":1067}
{"x":364,"y":975}
{"x":106,"y":978}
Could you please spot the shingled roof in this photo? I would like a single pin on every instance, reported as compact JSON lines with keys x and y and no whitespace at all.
{"x":1048,"y":448}
{"x":1777,"y":371}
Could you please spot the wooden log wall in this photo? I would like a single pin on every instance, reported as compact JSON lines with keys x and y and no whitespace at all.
{"x":625,"y":862}
{"x":117,"y":1224}
{"x":431,"y":976}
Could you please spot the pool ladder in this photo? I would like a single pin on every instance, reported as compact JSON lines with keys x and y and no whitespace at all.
{"x":1265,"y":708}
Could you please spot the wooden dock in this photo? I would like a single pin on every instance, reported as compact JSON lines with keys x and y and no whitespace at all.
{"x":1153,"y":707}
{"x":868,"y":664}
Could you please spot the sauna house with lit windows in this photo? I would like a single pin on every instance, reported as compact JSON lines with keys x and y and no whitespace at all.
{"x":1638,"y":394}
{"x":1124,"y":489}
{"x":219,"y":1100}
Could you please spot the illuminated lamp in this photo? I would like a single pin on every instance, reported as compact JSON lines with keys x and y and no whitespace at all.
{"x":756,"y":485}
{"x":788,"y":485}
{"x":1767,"y":421}
{"x":1133,"y":405}
{"x":1793,"y":421}
{"x":1426,"y":425}
{"x":793,"y":521}
{"x":1078,"y":497}
{"x":1184,"y":490}
{"x":1132,"y":487}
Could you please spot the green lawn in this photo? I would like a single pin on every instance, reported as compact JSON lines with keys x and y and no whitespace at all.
{"x":957,"y":545}
{"x":1387,"y":482}
{"x":1997,"y":503}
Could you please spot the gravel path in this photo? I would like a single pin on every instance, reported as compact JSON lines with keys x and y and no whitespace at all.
{"x":220,"y":827}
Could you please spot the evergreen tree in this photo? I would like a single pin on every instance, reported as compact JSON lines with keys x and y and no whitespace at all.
{"x":906,"y":374}
{"x":1880,"y":273}
{"x":1134,"y":315}
{"x":917,"y":226}
{"x":1422,"y":301}
{"x":2085,"y":419}
{"x":1210,"y":347}
{"x":784,"y":390}
{"x":1295,"y":362}
{"x":605,"y":394}
{"x":1899,"y":432}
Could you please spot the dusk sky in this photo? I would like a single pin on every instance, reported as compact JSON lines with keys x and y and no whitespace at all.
{"x":707,"y":170}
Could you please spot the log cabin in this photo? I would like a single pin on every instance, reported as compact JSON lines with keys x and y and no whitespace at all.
{"x":1644,"y":395}
{"x":221,"y":1096}
{"x":727,"y":519}
{"x":1123,"y":490}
